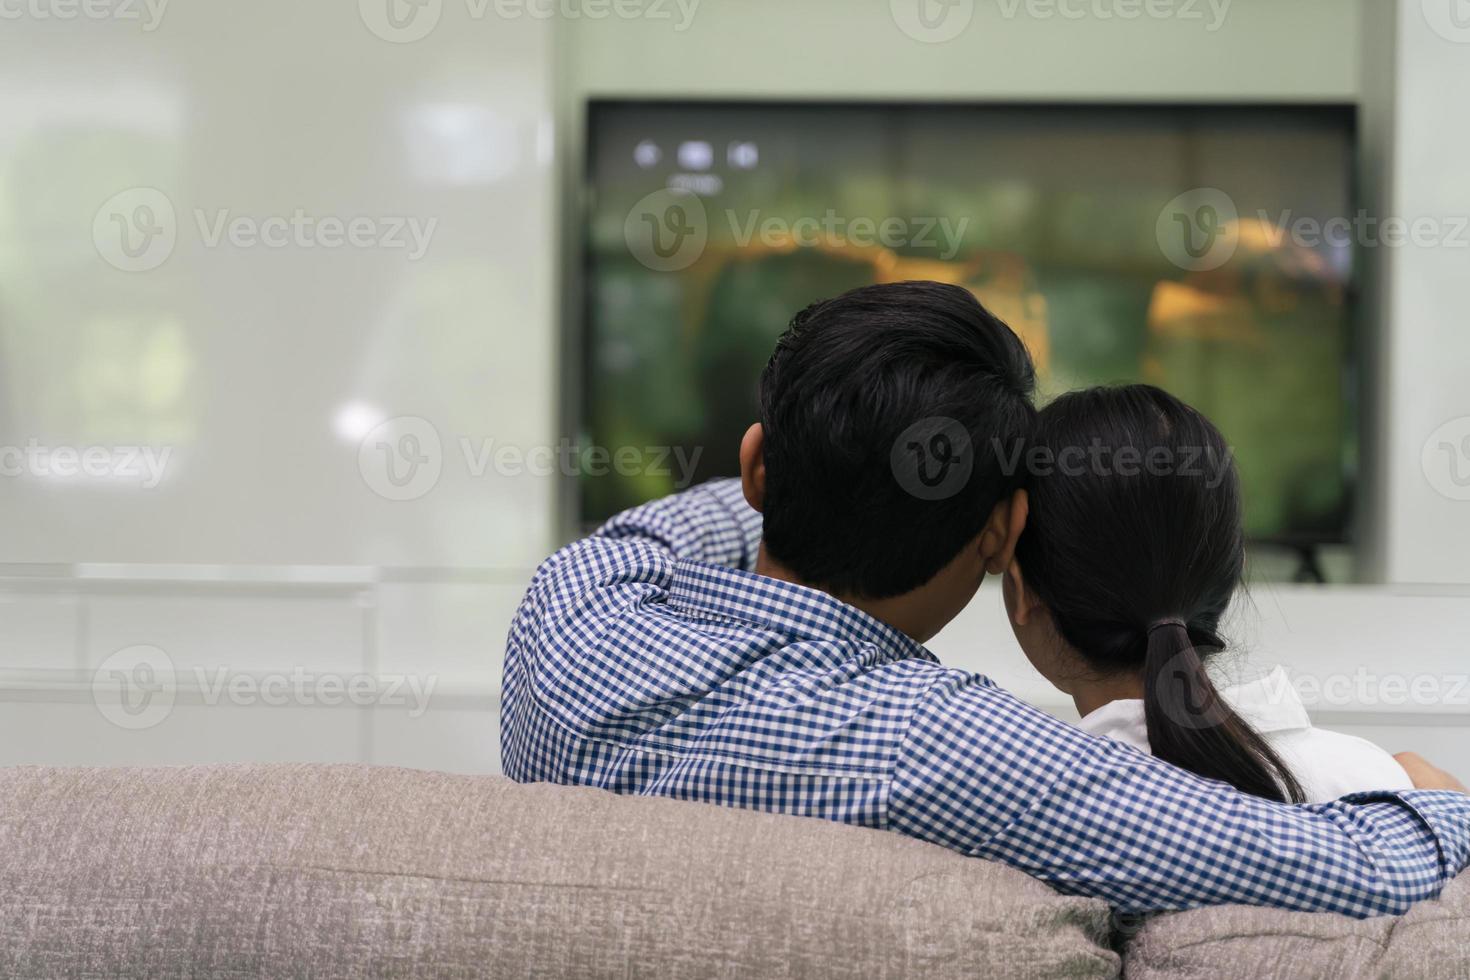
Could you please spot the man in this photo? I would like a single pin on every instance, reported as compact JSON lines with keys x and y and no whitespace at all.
{"x":758,"y":643}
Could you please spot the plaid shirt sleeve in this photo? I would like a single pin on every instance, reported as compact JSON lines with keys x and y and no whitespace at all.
{"x":710,"y":523}
{"x":984,"y":773}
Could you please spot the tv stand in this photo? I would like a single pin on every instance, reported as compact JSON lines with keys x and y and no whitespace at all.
{"x":1309,"y":570}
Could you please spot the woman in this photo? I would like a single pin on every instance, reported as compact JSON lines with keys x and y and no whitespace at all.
{"x":1133,"y":551}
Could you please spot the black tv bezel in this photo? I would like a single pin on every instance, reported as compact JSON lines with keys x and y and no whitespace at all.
{"x":576,"y":364}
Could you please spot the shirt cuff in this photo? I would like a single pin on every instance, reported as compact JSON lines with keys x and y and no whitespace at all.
{"x":1445,"y":814}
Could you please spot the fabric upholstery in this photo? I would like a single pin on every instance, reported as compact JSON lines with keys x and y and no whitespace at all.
{"x":354,"y":871}
{"x":1431,"y":942}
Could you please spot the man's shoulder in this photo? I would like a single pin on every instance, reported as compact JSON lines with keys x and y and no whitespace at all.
{"x":601,"y":559}
{"x":935,"y":678}
{"x":930,"y":693}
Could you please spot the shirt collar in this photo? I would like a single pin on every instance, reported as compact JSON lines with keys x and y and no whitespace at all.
{"x":792,"y":609}
{"x":1269,"y":703}
{"x":1122,"y":720}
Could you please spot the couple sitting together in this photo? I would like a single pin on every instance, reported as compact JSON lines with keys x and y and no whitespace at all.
{"x":759,"y":642}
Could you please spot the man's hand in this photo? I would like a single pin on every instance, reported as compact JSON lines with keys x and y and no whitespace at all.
{"x":1425,"y":776}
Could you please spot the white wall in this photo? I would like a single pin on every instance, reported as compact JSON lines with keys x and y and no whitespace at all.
{"x":267,"y":551}
{"x":1304,"y":50}
{"x":1426,"y":347}
{"x":269,"y":546}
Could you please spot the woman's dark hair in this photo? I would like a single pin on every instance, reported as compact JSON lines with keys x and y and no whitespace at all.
{"x":861,"y":389}
{"x":1135,"y":545}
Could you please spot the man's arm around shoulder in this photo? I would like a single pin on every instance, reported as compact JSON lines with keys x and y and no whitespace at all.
{"x":986,"y":774}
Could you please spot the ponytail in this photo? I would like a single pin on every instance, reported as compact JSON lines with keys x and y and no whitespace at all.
{"x":1191,"y":726}
{"x":1106,"y":551}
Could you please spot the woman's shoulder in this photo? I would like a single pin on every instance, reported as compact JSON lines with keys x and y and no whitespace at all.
{"x":1330,"y":764}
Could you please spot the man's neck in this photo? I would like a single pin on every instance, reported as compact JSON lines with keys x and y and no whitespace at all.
{"x":896,"y":612}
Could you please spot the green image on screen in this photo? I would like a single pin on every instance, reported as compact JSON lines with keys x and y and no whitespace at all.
{"x":1063,"y":220}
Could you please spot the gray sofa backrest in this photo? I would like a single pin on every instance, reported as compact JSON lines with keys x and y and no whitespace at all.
{"x":353,"y":871}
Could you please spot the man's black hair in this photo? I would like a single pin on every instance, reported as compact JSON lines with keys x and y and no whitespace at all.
{"x":894,"y":416}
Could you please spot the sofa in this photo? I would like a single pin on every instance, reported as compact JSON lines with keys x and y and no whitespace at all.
{"x":286,"y":871}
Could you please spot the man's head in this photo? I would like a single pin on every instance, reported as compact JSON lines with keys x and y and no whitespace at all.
{"x":886,"y":461}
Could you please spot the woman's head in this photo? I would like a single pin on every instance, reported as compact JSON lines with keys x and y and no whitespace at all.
{"x":1133,"y":551}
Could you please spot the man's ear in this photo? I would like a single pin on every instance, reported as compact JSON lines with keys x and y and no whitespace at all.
{"x":1002,"y":531}
{"x":753,"y":466}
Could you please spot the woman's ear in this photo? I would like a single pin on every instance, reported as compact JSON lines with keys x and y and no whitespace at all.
{"x":753,"y":466}
{"x":1021,"y":602}
{"x":1002,"y":531}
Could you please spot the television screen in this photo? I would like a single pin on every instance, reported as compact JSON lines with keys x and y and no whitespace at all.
{"x":1204,"y":249}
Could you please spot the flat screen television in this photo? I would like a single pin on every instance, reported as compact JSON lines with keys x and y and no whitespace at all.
{"x":1202,"y":248}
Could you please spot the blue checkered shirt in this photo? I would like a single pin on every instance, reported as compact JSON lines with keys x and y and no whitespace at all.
{"x":650,"y":659}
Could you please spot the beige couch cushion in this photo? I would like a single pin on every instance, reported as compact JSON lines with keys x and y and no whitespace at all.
{"x":352,"y":871}
{"x":1431,"y":942}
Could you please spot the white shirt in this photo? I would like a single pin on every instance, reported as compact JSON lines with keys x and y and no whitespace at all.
{"x":1329,"y":765}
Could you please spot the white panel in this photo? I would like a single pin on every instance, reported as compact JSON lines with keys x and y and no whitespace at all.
{"x":39,"y":631}
{"x":69,"y":734}
{"x":1019,"y":49}
{"x":1379,"y":640}
{"x":451,"y":739}
{"x":456,"y":631}
{"x":237,"y":633}
{"x":1447,"y":747}
{"x":148,"y":171}
{"x":1428,"y":363}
